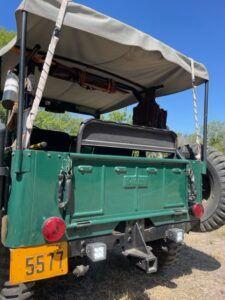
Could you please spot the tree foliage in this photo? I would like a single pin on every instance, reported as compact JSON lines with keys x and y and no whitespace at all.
{"x":2,"y":114}
{"x":70,"y":124}
{"x":216,"y":136}
{"x":60,"y":122}
{"x":5,"y":36}
{"x":118,"y":116}
{"x":185,"y":139}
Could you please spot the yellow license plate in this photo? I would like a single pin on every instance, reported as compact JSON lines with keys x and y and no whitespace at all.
{"x":31,"y":264}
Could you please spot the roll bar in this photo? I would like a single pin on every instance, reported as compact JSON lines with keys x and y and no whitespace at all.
{"x":19,"y":139}
{"x":205,"y":125}
{"x":21,"y":99}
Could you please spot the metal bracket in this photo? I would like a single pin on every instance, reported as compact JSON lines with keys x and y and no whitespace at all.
{"x":4,"y":171}
{"x":65,"y":185}
{"x":136,"y":247}
{"x":192,"y":192}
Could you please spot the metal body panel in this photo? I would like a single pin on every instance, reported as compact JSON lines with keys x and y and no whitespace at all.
{"x":106,"y":191}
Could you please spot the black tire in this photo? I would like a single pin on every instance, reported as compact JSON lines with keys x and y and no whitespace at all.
{"x":4,"y":262}
{"x":213,"y":189}
{"x":166,"y":251}
{"x":4,"y":265}
{"x":7,"y":291}
{"x":20,"y":292}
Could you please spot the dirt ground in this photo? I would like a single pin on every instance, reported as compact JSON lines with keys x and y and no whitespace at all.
{"x":198,"y":274}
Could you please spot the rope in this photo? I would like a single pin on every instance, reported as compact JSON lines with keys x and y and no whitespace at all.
{"x":195,"y":105}
{"x":45,"y":71}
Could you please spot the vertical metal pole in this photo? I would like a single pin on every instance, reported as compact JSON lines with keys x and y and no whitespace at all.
{"x":0,"y":76}
{"x":19,"y":139}
{"x":205,"y":126}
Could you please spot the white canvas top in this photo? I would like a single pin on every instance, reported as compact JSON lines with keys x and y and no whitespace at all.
{"x":97,"y":40}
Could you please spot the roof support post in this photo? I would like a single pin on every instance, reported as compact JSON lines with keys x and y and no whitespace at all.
{"x":22,"y":67}
{"x":45,"y":70}
{"x":205,"y":126}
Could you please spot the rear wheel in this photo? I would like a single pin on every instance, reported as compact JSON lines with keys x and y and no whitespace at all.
{"x":214,"y":192}
{"x":4,"y":260}
{"x":213,"y":189}
{"x":166,"y":251}
{"x":7,"y":291}
{"x":4,"y":265}
{"x":20,"y":292}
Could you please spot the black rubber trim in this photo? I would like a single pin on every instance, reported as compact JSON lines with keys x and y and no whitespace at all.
{"x":98,"y":133}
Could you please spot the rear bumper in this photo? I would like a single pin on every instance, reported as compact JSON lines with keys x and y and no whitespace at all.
{"x":51,"y":260}
{"x":118,"y":239}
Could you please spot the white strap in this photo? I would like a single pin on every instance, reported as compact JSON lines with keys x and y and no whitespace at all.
{"x":195,"y":105}
{"x":45,"y":72}
{"x":193,"y":71}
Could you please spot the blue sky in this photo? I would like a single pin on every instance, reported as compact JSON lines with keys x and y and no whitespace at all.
{"x":196,"y":28}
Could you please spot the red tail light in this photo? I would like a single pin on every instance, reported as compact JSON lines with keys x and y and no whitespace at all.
{"x":198,"y":210}
{"x":53,"y":229}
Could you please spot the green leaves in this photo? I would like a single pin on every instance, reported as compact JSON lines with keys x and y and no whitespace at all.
{"x":118,"y":116}
{"x":216,"y":136}
{"x":5,"y":36}
{"x":2,"y":114}
{"x":60,"y":122}
{"x":70,"y":124}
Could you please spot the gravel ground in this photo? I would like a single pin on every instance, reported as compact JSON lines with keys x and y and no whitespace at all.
{"x":198,"y":274}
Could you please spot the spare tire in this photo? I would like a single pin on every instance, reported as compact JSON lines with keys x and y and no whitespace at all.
{"x":213,"y":188}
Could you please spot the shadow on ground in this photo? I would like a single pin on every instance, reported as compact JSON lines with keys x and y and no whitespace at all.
{"x":117,"y":278}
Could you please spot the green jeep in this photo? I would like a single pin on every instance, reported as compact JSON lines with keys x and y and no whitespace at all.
{"x":130,"y":187}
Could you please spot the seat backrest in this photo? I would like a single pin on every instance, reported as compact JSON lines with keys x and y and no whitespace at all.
{"x":98,"y":133}
{"x":56,"y":140}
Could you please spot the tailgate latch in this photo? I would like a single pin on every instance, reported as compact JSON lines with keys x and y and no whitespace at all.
{"x":192,"y":191}
{"x":65,"y":187}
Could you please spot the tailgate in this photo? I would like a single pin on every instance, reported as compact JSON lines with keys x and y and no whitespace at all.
{"x":112,"y":188}
{"x":106,"y":190}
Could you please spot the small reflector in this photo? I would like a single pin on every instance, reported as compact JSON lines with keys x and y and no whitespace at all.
{"x":53,"y":229}
{"x":175,"y":234}
{"x":96,"y":251}
{"x":198,"y":210}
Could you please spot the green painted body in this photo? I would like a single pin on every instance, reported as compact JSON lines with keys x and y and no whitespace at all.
{"x":106,"y":191}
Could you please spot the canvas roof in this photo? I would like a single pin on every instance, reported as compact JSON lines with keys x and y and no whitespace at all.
{"x":99,"y":41}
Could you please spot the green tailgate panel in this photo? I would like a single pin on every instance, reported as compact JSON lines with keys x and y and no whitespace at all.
{"x":111,"y":190}
{"x":106,"y":191}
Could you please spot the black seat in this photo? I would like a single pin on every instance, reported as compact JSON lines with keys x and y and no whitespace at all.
{"x":56,"y":140}
{"x":101,"y":135}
